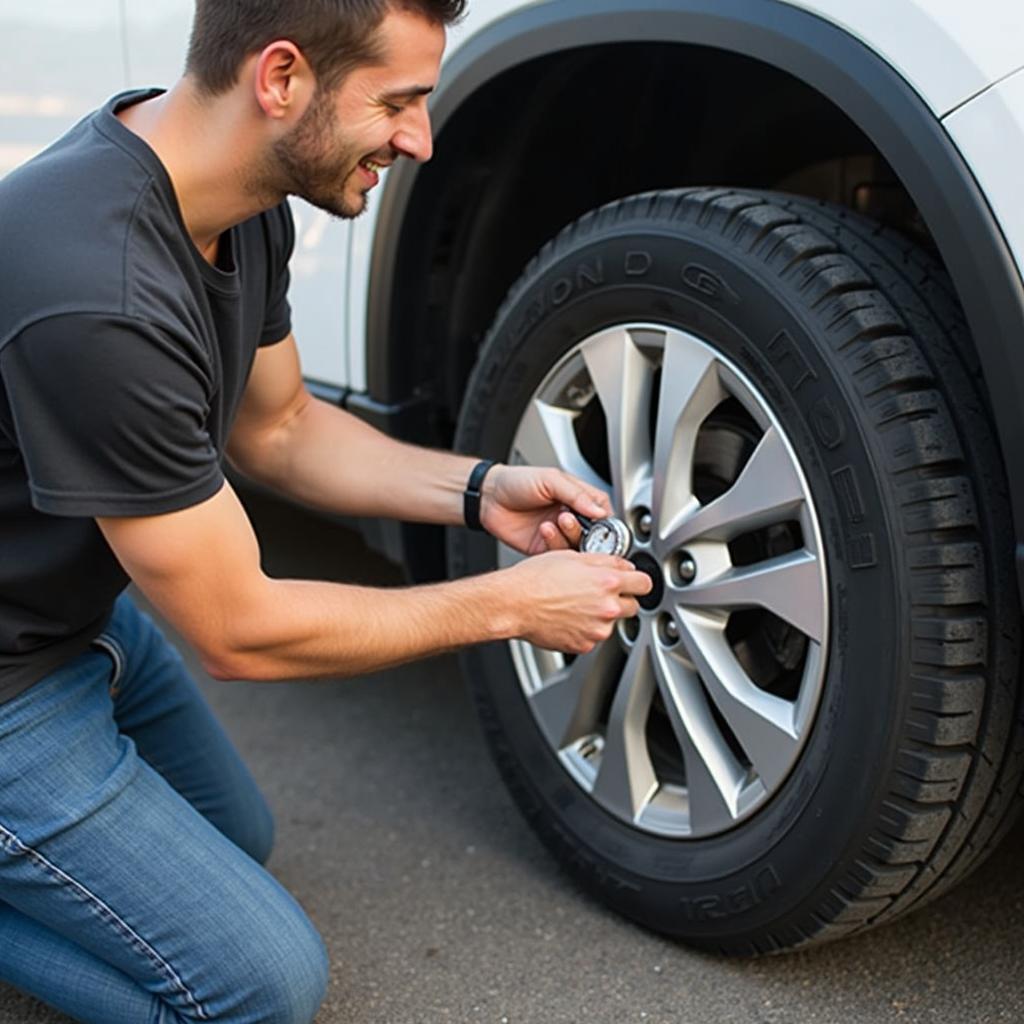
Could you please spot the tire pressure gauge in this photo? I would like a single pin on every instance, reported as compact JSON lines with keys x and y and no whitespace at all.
{"x":609,"y":536}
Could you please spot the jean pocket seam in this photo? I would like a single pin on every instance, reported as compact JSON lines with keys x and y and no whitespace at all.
{"x":105,"y":642}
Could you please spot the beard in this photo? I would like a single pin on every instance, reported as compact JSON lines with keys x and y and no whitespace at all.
{"x":315,"y":162}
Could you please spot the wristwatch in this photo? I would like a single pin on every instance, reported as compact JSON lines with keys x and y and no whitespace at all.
{"x":472,"y":494}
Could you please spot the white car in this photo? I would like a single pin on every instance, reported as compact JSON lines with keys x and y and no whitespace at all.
{"x":755,"y":267}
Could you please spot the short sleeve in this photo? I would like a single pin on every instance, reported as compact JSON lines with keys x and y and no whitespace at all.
{"x":110,"y":416}
{"x":277,"y":323}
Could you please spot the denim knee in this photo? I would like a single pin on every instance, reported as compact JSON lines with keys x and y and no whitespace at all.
{"x":288,"y":982}
{"x":254,"y":834}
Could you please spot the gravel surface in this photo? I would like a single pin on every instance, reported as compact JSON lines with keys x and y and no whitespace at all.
{"x":438,"y":904}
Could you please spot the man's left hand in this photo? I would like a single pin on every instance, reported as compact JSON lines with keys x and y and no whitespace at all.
{"x":525,"y":507}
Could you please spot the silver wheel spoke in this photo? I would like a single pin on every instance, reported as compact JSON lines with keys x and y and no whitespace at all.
{"x":546,"y":438}
{"x":790,"y":586}
{"x":568,"y":705}
{"x":767,"y":491}
{"x":714,"y":778}
{"x":762,"y":723}
{"x":690,"y":390}
{"x":599,"y":406}
{"x":626,"y":781}
{"x":624,"y":380}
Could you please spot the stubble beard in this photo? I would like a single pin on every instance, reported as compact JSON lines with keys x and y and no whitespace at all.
{"x":315,"y":162}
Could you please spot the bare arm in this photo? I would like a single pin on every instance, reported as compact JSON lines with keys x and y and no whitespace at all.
{"x":288,"y":440}
{"x":201,"y":568}
{"x":325,"y":457}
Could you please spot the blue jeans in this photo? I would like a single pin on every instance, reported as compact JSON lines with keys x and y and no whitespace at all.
{"x":131,"y":837}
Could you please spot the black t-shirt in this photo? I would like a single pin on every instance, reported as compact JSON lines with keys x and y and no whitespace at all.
{"x":123,"y":355}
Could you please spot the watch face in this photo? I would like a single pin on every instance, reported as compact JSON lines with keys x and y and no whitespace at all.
{"x":606,"y":537}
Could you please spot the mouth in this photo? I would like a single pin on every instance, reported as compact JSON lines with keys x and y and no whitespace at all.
{"x":372,"y":170}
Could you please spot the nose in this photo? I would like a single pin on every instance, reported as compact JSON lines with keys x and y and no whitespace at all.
{"x":413,"y":138}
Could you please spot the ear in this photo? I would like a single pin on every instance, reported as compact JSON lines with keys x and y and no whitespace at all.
{"x":284,"y":80}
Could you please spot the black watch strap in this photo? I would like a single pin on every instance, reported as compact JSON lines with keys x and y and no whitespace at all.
{"x":471,"y":496}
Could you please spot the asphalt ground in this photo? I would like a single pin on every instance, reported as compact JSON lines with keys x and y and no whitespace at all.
{"x":438,"y":904}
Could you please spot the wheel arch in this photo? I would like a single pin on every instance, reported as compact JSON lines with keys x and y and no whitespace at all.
{"x":431,"y":275}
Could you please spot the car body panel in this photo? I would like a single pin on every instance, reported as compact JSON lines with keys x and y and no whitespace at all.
{"x":947,"y":50}
{"x":989,"y":132}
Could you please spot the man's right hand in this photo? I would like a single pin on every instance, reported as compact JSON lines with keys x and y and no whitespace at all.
{"x":570,"y":602}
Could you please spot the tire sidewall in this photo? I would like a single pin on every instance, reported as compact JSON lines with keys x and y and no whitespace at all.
{"x":692,"y":280}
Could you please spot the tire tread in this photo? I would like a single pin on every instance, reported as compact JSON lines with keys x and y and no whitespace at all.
{"x":890,"y":312}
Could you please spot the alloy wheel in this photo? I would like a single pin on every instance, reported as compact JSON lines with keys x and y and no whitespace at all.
{"x":693,"y":714}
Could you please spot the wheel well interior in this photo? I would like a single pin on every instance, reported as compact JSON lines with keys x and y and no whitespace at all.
{"x":543,"y":143}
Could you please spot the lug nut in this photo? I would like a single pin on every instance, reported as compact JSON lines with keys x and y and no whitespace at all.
{"x":686,"y":568}
{"x":668,"y":630}
{"x":643,"y":523}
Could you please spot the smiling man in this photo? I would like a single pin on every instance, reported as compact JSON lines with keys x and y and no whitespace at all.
{"x":145,"y":335}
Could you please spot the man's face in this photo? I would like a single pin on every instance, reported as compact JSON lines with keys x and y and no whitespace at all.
{"x":332,"y":158}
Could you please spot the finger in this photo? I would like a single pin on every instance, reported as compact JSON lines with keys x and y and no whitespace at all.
{"x":620,"y":563}
{"x":609,"y":562}
{"x":587,"y":500}
{"x":623,"y":565}
{"x":591,"y":503}
{"x":598,"y":501}
{"x":553,"y":537}
{"x":570,"y":527}
{"x":629,"y":607}
{"x":603,"y":502}
{"x":538,"y":546}
{"x":637,"y":583}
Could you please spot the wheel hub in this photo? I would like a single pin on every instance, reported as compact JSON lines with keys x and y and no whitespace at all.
{"x":646,"y":564}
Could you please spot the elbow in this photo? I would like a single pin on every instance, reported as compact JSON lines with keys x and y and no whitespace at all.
{"x":221,"y":666}
{"x":219,"y":669}
{"x":225,"y":664}
{"x":225,"y":644}
{"x":234,"y":646}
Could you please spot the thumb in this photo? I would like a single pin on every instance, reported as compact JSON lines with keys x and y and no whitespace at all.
{"x":553,"y":538}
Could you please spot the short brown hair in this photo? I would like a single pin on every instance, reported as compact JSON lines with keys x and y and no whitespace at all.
{"x":334,"y":35}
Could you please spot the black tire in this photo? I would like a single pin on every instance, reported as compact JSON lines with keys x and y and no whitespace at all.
{"x":913,"y":767}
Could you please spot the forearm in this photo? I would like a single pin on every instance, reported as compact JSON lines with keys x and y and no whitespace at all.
{"x":297,"y":629}
{"x":327,"y":458}
{"x":200,"y":567}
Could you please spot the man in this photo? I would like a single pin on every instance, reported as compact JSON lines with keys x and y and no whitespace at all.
{"x":144,"y":335}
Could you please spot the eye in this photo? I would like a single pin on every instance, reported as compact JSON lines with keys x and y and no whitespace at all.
{"x":392,"y":108}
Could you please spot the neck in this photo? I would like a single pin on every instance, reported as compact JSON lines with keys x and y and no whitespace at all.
{"x":207,"y":151}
